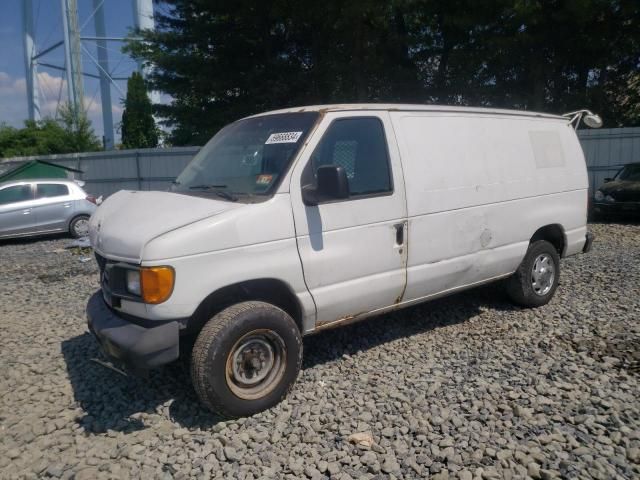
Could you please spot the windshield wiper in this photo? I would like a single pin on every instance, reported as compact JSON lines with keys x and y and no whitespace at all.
{"x":227,"y":195}
{"x":206,"y":187}
{"x":221,"y":193}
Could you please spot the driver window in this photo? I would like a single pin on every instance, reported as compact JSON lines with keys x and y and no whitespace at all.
{"x":359,"y":146}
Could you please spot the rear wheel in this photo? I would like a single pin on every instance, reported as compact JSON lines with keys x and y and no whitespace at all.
{"x":536,"y":279}
{"x":79,"y":226}
{"x":246,"y":359}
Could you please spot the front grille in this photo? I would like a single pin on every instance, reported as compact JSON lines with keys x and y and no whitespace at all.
{"x":626,"y":195}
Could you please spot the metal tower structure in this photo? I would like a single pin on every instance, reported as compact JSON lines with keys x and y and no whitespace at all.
{"x":105,"y":80}
{"x":74,"y":50}
{"x":33,"y":101}
{"x":143,"y":18}
{"x":72,"y":54}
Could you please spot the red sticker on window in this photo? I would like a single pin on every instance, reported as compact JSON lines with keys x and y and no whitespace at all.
{"x":264,"y":179}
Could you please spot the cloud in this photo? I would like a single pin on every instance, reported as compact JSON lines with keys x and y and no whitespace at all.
{"x":13,"y":100}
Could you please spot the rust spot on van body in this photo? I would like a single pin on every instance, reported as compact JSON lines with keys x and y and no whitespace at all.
{"x":329,"y":324}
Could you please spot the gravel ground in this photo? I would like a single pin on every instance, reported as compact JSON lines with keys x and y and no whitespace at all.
{"x":464,"y":387}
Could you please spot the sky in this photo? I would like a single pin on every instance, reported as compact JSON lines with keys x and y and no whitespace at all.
{"x":48,"y":30}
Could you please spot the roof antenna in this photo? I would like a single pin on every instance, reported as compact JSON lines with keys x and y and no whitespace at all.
{"x":589,"y":118}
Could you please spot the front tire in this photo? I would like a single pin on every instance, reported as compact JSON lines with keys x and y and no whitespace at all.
{"x":246,"y":359}
{"x":536,"y":279}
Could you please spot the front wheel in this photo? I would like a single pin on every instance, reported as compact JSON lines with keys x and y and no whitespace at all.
{"x":536,"y":279}
{"x":246,"y":359}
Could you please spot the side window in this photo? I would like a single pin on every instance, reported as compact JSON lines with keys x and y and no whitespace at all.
{"x":51,"y":190}
{"x":359,"y":146}
{"x":17,"y":193}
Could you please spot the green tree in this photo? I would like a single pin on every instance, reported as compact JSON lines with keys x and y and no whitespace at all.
{"x":78,"y":132}
{"x":49,"y":136}
{"x":138,"y":126}
{"x":35,"y":138}
{"x":222,"y":60}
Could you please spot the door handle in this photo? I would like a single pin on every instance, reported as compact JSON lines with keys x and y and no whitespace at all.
{"x":26,"y":211}
{"x":399,"y":234}
{"x":67,"y":205}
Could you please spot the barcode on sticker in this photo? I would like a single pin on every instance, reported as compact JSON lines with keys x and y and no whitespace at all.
{"x":283,"y":137}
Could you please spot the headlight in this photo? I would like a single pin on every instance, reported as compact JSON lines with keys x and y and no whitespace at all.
{"x":156,"y":283}
{"x":133,"y":282}
{"x":609,"y":198}
{"x":599,"y":196}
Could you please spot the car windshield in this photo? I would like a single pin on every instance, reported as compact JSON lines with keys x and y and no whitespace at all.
{"x":247,"y":159}
{"x":630,"y":173}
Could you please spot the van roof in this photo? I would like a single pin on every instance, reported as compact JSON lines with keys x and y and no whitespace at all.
{"x":402,"y":107}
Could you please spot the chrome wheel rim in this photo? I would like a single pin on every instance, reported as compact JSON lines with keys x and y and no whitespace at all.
{"x":81,"y":227}
{"x":256,"y":364}
{"x":543,"y":274}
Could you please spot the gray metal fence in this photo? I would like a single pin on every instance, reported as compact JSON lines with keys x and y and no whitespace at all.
{"x":107,"y":172}
{"x":606,"y":150}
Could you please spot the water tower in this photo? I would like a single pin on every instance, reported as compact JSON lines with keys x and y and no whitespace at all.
{"x":74,"y":51}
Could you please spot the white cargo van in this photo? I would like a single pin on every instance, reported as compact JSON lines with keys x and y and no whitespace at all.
{"x":293,"y":221}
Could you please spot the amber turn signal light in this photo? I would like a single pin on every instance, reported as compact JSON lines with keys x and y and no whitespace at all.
{"x":156,"y":284}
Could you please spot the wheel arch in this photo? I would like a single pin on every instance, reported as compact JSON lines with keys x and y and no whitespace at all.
{"x":269,"y":290}
{"x":554,"y":234}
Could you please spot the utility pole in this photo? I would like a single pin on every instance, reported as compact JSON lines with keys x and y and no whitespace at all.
{"x":105,"y":81}
{"x":30,"y":64}
{"x":73,"y":59}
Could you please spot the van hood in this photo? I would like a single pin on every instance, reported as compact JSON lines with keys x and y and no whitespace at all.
{"x":126,"y":221}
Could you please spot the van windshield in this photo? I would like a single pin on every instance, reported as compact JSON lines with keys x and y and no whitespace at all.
{"x":246,"y":160}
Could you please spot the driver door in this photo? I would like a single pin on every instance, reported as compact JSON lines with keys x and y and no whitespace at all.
{"x":353,"y":250}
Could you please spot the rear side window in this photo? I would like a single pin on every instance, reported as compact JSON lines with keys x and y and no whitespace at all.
{"x":358,"y":145}
{"x":17,"y":193}
{"x":44,"y":190}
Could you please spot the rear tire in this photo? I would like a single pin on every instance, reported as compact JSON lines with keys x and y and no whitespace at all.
{"x":79,"y":226}
{"x":246,"y":359}
{"x":536,"y":279}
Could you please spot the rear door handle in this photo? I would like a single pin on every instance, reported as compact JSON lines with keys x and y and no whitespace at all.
{"x":26,"y":211}
{"x":67,"y":205}
{"x":399,"y":234}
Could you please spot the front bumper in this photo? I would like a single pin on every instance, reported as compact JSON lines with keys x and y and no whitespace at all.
{"x":135,"y":346}
{"x":617,"y":208}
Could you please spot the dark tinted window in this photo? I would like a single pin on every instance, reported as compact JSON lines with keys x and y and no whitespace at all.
{"x":359,"y":146}
{"x":51,"y":190}
{"x":19,"y":193}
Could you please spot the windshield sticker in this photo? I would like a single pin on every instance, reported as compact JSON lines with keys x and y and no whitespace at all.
{"x":283,"y":137}
{"x":264,"y":179}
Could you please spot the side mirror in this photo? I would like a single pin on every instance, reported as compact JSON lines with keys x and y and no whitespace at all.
{"x":592,"y":120}
{"x":608,"y":179}
{"x":332,"y":184}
